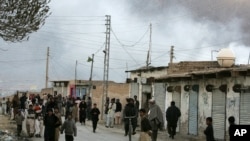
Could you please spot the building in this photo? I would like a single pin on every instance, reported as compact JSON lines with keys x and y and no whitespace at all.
{"x":81,"y":88}
{"x":214,"y":91}
{"x":202,"y":89}
{"x":142,"y":84}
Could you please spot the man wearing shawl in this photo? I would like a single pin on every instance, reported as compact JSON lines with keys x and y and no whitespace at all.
{"x":155,"y":117}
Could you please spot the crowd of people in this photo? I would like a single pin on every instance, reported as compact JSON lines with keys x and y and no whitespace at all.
{"x":47,"y":113}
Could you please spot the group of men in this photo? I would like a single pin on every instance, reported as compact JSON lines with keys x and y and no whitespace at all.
{"x":47,"y":112}
{"x":153,"y":117}
{"x":39,"y":113}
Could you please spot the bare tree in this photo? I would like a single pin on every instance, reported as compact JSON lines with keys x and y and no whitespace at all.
{"x":19,"y":18}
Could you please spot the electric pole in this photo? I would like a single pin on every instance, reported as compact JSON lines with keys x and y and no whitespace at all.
{"x":90,"y":78}
{"x":75,"y":78}
{"x":148,"y":62}
{"x":47,"y":69}
{"x":248,"y":58}
{"x":106,"y":62}
{"x":171,"y":54}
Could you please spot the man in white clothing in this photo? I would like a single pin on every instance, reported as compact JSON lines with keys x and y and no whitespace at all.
{"x":111,"y":114}
{"x":4,"y":106}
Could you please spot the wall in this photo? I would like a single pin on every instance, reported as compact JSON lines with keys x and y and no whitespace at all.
{"x":149,"y":73}
{"x":115,"y":90}
{"x":205,"y":101}
{"x":189,"y":66}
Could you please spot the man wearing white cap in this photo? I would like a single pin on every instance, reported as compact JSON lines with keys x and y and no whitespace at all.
{"x":155,"y":117}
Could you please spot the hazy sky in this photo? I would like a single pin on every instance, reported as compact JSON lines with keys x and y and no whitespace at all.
{"x":76,"y":29}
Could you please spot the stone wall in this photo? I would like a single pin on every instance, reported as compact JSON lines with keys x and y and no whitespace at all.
{"x":115,"y":90}
{"x":189,"y":66}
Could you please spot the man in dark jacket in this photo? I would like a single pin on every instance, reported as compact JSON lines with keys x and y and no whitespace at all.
{"x":172,"y":115}
{"x":209,"y":132}
{"x":95,"y":116}
{"x":22,"y":101}
{"x":118,"y":112}
{"x":82,"y":111}
{"x":129,"y":111}
{"x":231,"y":121}
{"x":51,"y":122}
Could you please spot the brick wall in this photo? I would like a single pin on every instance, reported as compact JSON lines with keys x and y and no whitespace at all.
{"x":115,"y":90}
{"x":190,"y":66}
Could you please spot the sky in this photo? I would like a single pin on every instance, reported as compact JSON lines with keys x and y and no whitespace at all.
{"x":76,"y":29}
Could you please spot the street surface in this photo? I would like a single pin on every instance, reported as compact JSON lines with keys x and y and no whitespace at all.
{"x":85,"y":132}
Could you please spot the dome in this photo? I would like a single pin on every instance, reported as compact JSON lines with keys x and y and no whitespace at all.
{"x":226,"y":57}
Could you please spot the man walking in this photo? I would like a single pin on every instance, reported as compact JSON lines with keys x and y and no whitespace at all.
{"x":172,"y":115}
{"x":95,"y":116}
{"x":82,"y":112}
{"x":129,"y":111}
{"x":155,"y":117}
{"x":50,"y":123}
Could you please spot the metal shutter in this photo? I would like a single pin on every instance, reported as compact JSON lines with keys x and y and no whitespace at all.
{"x":193,"y":113}
{"x":146,"y":88}
{"x":160,"y":96}
{"x":245,"y":108}
{"x":218,"y":113}
{"x":134,"y":89}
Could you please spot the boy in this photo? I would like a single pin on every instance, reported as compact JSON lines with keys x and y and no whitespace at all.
{"x":70,"y":128}
{"x":95,"y":116}
{"x":19,"y":120}
{"x":30,"y":121}
{"x":145,"y":127}
{"x":209,"y":132}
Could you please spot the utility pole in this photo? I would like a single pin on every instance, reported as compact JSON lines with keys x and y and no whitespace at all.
{"x":148,"y":62}
{"x":171,"y":59}
{"x":171,"y":54}
{"x":90,"y":78}
{"x":106,"y":62}
{"x":248,"y":58}
{"x":75,"y":78}
{"x":47,"y":69}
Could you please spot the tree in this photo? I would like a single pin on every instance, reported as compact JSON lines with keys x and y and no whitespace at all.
{"x":19,"y":18}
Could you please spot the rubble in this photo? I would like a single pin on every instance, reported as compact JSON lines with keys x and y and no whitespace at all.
{"x":7,"y":130}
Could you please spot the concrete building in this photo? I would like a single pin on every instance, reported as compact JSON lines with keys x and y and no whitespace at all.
{"x":82,"y":88}
{"x":200,"y":89}
{"x":142,"y":84}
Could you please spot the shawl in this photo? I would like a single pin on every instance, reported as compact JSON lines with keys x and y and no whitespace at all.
{"x":155,"y":115}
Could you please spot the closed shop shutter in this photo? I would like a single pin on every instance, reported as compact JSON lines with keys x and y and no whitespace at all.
{"x":134,"y":89}
{"x":146,"y":89}
{"x":193,"y":113}
{"x":160,"y":95}
{"x":177,"y":99}
{"x":218,"y":113}
{"x":245,"y":107}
